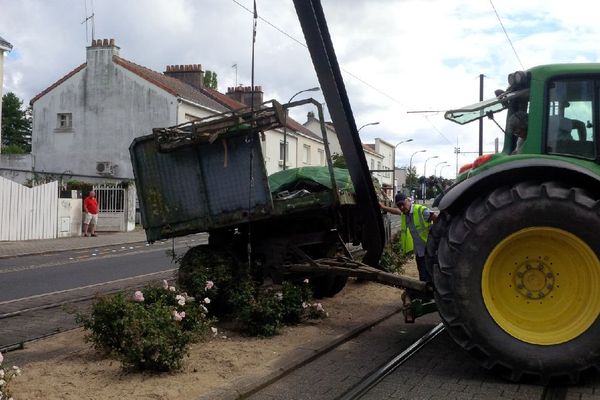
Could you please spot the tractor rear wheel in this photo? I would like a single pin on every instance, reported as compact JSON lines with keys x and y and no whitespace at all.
{"x":517,"y":279}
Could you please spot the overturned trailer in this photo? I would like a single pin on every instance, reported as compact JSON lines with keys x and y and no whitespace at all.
{"x":209,"y":176}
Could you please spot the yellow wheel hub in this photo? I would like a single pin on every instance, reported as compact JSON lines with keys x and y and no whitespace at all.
{"x":541,"y":285}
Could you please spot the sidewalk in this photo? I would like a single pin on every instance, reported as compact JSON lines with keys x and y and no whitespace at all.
{"x":44,"y":246}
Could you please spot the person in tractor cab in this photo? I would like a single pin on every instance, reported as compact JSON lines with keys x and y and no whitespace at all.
{"x":415,"y":221}
{"x":517,"y":126}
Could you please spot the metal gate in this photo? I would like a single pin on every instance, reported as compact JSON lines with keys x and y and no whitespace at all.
{"x":112,"y":204}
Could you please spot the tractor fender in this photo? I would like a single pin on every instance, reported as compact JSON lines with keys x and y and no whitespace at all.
{"x":514,"y":171}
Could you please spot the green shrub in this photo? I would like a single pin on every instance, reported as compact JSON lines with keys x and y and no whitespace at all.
{"x":150,"y":330}
{"x":106,"y":322}
{"x":392,"y":259}
{"x":152,"y":339}
{"x":214,"y":274}
{"x":263,"y":315}
{"x":211,"y":273}
{"x":293,"y":301}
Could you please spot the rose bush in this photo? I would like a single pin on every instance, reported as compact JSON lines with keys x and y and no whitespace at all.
{"x":7,"y":375}
{"x":149,"y":330}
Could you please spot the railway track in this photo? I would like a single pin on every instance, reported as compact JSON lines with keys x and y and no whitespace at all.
{"x":428,"y":366}
{"x":36,"y":317}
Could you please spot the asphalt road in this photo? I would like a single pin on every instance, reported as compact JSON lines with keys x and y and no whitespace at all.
{"x":26,"y":277}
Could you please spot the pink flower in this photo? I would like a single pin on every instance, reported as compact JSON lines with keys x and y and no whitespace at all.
{"x":182,"y":314}
{"x":304,"y":305}
{"x":204,"y":308}
{"x":180,"y":300}
{"x":214,"y":330}
{"x":1,"y":358}
{"x":138,"y":296}
{"x":207,"y":300}
{"x":177,"y":316}
{"x":306,"y":280}
{"x":165,"y":284}
{"x":320,"y":307}
{"x":209,"y":285}
{"x":172,"y":288}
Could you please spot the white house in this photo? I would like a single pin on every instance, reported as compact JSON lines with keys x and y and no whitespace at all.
{"x":4,"y":47}
{"x":84,"y":123}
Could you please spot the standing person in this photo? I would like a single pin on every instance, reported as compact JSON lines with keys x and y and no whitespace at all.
{"x":90,"y":214}
{"x":415,"y":221}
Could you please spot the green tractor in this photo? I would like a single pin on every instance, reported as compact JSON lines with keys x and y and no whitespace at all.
{"x":515,"y":252}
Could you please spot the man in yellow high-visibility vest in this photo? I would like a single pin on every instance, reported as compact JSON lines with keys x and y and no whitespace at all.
{"x":415,"y":221}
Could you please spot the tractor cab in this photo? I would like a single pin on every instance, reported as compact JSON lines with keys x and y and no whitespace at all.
{"x":549,"y":110}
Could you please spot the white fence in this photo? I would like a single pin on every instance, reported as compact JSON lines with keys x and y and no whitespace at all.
{"x":28,"y":213}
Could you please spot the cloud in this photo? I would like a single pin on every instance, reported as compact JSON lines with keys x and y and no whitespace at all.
{"x":396,"y":55}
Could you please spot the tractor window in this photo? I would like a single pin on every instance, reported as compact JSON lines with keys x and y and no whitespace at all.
{"x":570,"y":115}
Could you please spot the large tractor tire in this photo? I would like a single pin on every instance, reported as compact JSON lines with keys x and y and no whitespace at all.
{"x":517,"y":280}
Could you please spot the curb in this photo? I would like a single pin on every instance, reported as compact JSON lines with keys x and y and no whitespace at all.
{"x":60,"y":250}
{"x":246,"y":386}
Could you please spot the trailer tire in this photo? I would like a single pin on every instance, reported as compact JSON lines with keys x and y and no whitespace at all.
{"x":327,"y":285}
{"x":516,"y":278}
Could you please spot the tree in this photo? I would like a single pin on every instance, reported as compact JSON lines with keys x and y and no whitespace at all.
{"x":16,"y":125}
{"x":338,"y":160}
{"x":411,"y":178}
{"x":210,"y":79}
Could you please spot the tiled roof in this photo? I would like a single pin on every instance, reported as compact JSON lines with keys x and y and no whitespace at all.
{"x":227,"y":101}
{"x":171,"y":85}
{"x":298,"y":127}
{"x":58,"y":82}
{"x":4,"y":45}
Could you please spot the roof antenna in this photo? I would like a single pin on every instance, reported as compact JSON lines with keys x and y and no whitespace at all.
{"x":89,"y":18}
{"x":235,"y":66}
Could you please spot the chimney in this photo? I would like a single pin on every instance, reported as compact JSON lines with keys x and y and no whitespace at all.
{"x":102,"y":46}
{"x":191,"y":74}
{"x":243,"y":94}
{"x":310,"y":116}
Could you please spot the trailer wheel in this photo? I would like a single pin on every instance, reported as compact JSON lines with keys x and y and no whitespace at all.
{"x":327,"y":285}
{"x":517,"y":279}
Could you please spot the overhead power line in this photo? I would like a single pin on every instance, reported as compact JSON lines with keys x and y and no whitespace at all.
{"x":346,"y":71}
{"x":506,"y":33}
{"x":304,"y":45}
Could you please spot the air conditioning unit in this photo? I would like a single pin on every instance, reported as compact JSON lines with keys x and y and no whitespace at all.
{"x":106,"y":168}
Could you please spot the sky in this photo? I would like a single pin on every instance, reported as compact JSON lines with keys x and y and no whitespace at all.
{"x":404,"y":62}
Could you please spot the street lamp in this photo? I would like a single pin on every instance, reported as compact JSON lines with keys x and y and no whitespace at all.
{"x":394,"y":164}
{"x":423,"y":189}
{"x":437,"y":165}
{"x":369,"y":124}
{"x":443,"y":166}
{"x":410,"y":165}
{"x":314,"y":89}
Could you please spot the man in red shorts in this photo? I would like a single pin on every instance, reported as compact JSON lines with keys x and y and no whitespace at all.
{"x":90,"y":214}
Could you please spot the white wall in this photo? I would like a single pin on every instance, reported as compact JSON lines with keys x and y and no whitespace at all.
{"x":70,"y":217}
{"x":13,"y":167}
{"x":1,"y":92}
{"x":188,"y":112}
{"x":334,"y":144}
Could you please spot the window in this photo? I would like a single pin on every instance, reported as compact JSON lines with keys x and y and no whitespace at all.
{"x":569,"y":118}
{"x":64,"y":121}
{"x":284,"y":151}
{"x":372,"y":164}
{"x":306,"y":154}
{"x":321,"y":157}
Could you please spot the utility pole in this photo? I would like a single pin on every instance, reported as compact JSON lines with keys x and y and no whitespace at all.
{"x":481,"y":119}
